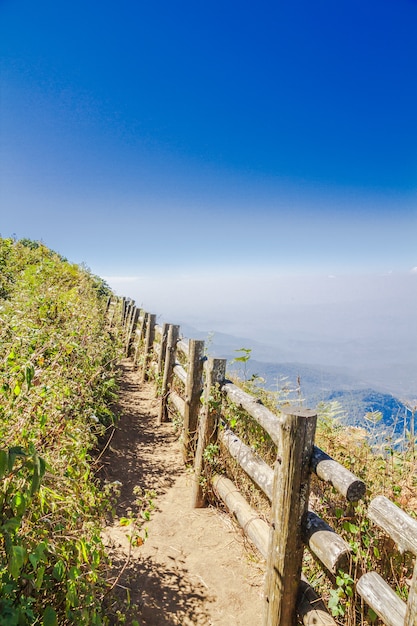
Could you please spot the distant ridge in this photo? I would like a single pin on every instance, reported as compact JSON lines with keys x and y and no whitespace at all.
{"x":318,"y":383}
{"x":380,"y":413}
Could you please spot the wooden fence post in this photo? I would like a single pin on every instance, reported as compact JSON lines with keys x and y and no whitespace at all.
{"x":215,"y":372}
{"x":138,"y":338}
{"x":125,"y":304}
{"x":193,"y":390}
{"x":289,"y":508}
{"x":173,"y":334}
{"x":148,"y":344}
{"x":112,"y":310}
{"x":162,"y":351}
{"x":131,"y":330}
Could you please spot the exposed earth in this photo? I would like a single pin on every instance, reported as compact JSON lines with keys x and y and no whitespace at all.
{"x":195,"y":566}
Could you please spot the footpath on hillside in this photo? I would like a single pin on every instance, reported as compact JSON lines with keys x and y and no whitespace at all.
{"x":195,"y":567}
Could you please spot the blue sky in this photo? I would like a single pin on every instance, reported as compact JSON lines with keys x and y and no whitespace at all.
{"x":232,"y":139}
{"x":281,"y":134}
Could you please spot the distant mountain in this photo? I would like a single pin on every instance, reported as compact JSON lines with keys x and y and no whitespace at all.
{"x":380,"y":413}
{"x":383,"y":415}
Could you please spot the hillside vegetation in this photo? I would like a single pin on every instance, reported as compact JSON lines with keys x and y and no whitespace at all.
{"x":56,"y":383}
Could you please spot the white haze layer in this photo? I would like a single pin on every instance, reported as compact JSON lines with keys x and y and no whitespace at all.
{"x":366,"y":324}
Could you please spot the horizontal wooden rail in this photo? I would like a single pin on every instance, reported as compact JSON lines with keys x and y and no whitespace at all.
{"x":383,"y":600}
{"x":269,"y":421}
{"x":395,"y":522}
{"x":180,"y":373}
{"x":177,"y":401}
{"x":254,"y":466}
{"x":183,"y":347}
{"x":346,"y":483}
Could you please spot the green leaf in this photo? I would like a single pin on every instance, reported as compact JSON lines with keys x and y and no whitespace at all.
{"x":38,"y":554}
{"x":74,"y":573}
{"x":39,"y":577}
{"x":49,"y":617}
{"x":12,"y":524}
{"x":16,"y":560}
{"x":350,"y":528}
{"x":39,"y":467}
{"x":72,"y":596}
{"x":29,"y":375}
{"x":11,"y":357}
{"x":19,"y":504}
{"x":59,"y":570}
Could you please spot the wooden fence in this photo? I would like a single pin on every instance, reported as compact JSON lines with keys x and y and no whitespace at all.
{"x":193,"y":386}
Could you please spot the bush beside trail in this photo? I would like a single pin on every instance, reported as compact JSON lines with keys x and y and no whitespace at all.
{"x":57,"y":380}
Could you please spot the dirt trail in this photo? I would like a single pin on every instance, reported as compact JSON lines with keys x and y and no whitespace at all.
{"x":194,"y":568}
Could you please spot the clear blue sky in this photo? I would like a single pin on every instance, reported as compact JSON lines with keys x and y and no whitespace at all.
{"x":138,"y":135}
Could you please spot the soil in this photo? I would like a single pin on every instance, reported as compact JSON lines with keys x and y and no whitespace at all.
{"x":194,"y":566}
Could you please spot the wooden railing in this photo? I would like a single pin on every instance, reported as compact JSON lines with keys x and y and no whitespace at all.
{"x":192,"y":386}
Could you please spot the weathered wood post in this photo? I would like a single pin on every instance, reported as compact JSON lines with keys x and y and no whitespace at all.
{"x":148,"y":344}
{"x":112,"y":310}
{"x":124,"y":305}
{"x":127,"y":304}
{"x":139,"y":335}
{"x":162,"y":350}
{"x":173,"y":334}
{"x":215,"y":372}
{"x":289,"y":509}
{"x":131,"y":328}
{"x":193,"y":388}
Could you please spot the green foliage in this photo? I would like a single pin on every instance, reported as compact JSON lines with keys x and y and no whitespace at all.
{"x":341,"y":594}
{"x":245,"y":355}
{"x":56,"y":382}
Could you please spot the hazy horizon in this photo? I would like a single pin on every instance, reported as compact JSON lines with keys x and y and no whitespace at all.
{"x":365,"y":324}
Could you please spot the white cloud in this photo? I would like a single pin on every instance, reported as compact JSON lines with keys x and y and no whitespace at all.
{"x":413,"y":270}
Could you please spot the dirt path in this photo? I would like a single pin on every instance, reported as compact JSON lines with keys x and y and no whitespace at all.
{"x":194,"y":567}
